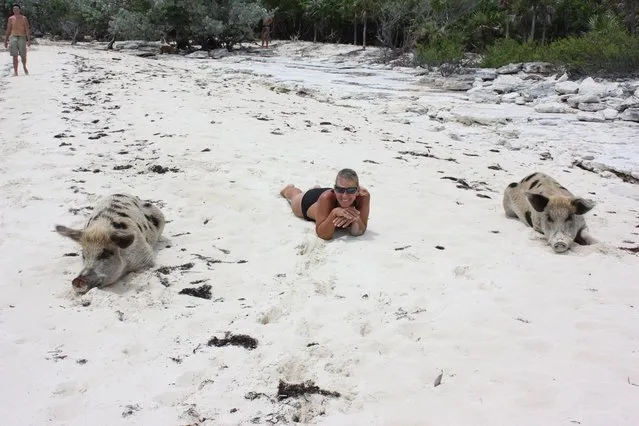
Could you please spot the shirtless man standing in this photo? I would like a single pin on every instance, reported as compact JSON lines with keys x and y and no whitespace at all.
{"x":266,"y":31}
{"x":18,"y":38}
{"x":346,"y":205}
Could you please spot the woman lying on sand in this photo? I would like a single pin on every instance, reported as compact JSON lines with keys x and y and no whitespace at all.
{"x":346,"y":205}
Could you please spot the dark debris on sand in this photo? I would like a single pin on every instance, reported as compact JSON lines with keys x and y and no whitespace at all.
{"x":166,"y":270}
{"x":427,"y":155}
{"x":209,"y":260}
{"x":291,"y":390}
{"x":631,"y":249}
{"x":203,"y":291}
{"x":161,"y":170}
{"x":243,"y":340}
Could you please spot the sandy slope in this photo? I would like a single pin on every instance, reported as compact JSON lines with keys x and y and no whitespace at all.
{"x":522,"y":336}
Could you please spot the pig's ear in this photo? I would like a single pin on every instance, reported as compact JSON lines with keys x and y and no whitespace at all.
{"x":538,"y":201}
{"x":122,"y":240}
{"x":582,"y":206}
{"x":74,"y":234}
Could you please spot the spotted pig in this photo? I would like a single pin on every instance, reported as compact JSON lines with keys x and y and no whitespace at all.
{"x":542,"y":203}
{"x":117,"y":239}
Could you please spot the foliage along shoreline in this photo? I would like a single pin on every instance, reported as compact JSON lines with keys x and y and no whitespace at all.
{"x":596,"y":37}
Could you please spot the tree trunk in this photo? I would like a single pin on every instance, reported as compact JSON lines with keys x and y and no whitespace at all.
{"x":315,"y":32}
{"x":364,"y":30}
{"x":543,"y":33}
{"x":355,"y":33}
{"x":631,"y":13}
{"x":75,"y":35}
{"x":532,"y":25}
{"x":110,"y":45}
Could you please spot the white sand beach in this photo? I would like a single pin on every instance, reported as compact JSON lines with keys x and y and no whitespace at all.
{"x":442,"y":283}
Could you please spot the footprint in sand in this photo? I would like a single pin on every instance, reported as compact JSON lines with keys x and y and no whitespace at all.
{"x":295,"y":370}
{"x":69,"y":388}
{"x":271,"y":315}
{"x":313,"y":252}
{"x":325,"y":287}
{"x":63,"y":413}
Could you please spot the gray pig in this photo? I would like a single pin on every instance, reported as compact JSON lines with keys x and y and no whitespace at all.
{"x":542,"y":203}
{"x":117,"y":239}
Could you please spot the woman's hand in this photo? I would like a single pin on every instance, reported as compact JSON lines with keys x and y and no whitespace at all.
{"x":345,"y":216}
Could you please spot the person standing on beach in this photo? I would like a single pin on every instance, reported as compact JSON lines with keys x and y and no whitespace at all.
{"x":266,"y":30}
{"x":17,"y":38}
{"x":346,"y":205}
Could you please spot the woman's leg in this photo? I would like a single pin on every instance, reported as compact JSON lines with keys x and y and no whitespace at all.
{"x":294,"y":197}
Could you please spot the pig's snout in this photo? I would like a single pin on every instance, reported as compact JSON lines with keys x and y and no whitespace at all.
{"x":79,"y":282}
{"x":85,"y":281}
{"x":560,"y":247}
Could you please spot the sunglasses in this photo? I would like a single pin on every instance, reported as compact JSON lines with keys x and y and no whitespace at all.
{"x":350,"y":190}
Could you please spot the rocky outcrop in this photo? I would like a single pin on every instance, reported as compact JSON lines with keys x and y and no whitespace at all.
{"x":530,"y":84}
{"x":630,"y":114}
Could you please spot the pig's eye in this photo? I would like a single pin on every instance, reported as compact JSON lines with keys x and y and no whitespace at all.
{"x":550,"y":219}
{"x":105,"y":254}
{"x":569,"y":217}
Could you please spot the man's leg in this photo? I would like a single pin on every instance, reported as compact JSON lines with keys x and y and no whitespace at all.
{"x":24,"y":64}
{"x":22,"y":47}
{"x":14,"y":51}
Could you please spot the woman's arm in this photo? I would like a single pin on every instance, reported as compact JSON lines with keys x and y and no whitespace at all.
{"x":363,"y":201}
{"x":326,"y":215}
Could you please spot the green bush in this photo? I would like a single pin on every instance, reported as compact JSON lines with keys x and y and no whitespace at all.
{"x":507,"y":51}
{"x":596,"y":52}
{"x":439,"y":51}
{"x":607,"y":50}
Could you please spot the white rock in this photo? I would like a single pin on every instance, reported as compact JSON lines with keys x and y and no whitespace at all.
{"x":538,"y":67}
{"x":593,"y":117}
{"x":520,"y":101}
{"x":567,"y":87}
{"x":487,"y":74}
{"x":588,"y":107}
{"x":583,"y":99}
{"x":483,"y":96}
{"x":610,"y":113}
{"x":200,"y":54}
{"x":508,"y":83}
{"x":631,"y":102}
{"x":539,"y":90}
{"x":219,"y":53}
{"x":590,"y":87}
{"x":509,"y":69}
{"x":472,"y":118}
{"x":510,"y":96}
{"x":564,"y":77}
{"x":631,"y":114}
{"x":554,"y":107}
{"x":630,"y":86}
{"x":548,"y":99}
{"x":615,"y":103}
{"x":458,"y":85}
{"x":637,"y":93}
